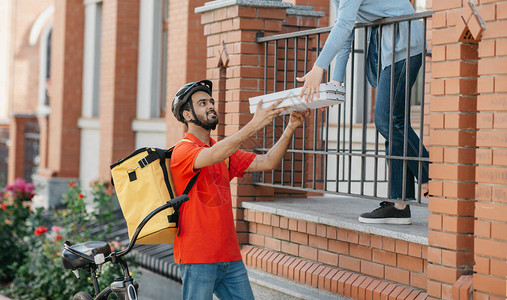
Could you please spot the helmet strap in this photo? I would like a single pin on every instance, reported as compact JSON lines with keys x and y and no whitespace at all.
{"x":197,"y":121}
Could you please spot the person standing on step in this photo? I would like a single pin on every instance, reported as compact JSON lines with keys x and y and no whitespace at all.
{"x":338,"y":45}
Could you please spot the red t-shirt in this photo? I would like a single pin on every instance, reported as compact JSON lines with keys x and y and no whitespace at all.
{"x":207,"y":232}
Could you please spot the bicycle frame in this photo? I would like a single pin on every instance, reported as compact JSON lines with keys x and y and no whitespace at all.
{"x":126,"y":287}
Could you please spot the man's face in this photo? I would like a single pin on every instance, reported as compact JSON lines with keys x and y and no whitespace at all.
{"x":204,"y":107}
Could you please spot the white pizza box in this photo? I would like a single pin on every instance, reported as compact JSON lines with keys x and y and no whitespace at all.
{"x":329,"y":94}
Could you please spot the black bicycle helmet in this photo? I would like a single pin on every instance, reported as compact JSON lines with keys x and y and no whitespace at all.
{"x":185,"y":93}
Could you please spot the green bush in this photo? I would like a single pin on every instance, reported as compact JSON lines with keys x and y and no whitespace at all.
{"x":14,"y":212}
{"x":41,"y":274}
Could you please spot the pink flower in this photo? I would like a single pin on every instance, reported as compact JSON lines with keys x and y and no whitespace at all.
{"x":115,"y":245}
{"x":56,"y":228}
{"x":3,"y":206}
{"x":109,"y":192}
{"x":20,"y":186}
{"x":40,"y":230}
{"x":29,"y":187}
{"x":72,"y":184}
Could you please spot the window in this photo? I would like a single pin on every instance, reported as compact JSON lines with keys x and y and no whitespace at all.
{"x":92,"y":59}
{"x":152,"y":62}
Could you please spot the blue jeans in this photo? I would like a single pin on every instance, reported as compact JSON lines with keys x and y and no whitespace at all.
{"x":382,"y":119}
{"x":227,"y":280}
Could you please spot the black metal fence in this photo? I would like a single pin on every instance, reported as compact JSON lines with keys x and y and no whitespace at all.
{"x":338,"y":150}
{"x":4,"y":156}
{"x":31,"y":150}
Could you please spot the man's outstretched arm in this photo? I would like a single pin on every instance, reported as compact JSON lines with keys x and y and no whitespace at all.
{"x":272,"y":159}
{"x":226,"y":147}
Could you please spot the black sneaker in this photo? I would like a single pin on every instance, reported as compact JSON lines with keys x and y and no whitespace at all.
{"x":387,"y":214}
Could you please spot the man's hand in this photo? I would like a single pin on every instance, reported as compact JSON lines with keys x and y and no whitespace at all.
{"x":312,"y":81}
{"x":264,"y":117}
{"x":297,"y":118}
{"x":270,"y":160}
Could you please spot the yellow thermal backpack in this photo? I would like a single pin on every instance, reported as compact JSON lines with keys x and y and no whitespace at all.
{"x":143,"y":182}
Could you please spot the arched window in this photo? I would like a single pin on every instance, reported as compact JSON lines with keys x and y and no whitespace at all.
{"x":41,"y":32}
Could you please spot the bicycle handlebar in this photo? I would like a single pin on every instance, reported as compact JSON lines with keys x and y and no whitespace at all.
{"x":67,"y":245}
{"x":176,"y":202}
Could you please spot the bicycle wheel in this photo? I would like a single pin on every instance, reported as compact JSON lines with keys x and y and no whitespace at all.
{"x":82,"y":296}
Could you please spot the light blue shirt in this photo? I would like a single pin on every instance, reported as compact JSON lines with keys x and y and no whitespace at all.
{"x":348,"y":12}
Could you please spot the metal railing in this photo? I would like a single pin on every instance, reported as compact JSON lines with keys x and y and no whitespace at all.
{"x":32,"y":138}
{"x":337,"y":151}
{"x":4,"y":156}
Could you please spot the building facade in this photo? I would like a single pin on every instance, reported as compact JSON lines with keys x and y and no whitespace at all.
{"x":84,"y":83}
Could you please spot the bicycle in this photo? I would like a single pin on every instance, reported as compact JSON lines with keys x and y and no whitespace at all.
{"x":90,"y":256}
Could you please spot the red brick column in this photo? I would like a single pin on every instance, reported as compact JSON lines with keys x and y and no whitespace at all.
{"x":118,"y":86}
{"x":452,"y":151}
{"x":236,"y":27}
{"x":186,"y":57}
{"x":490,"y":240}
{"x":66,"y":89}
{"x":318,"y":5}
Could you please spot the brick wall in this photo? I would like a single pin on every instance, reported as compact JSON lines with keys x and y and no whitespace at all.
{"x":468,"y":94}
{"x":24,"y":76}
{"x":452,"y":140}
{"x":236,"y":27}
{"x":374,"y":256}
{"x":490,"y":238}
{"x":66,"y":89}
{"x":22,"y":79}
{"x":118,"y":86}
{"x":318,"y":5}
{"x":186,"y":57}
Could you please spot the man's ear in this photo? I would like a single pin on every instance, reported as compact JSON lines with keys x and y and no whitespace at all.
{"x":187,"y":115}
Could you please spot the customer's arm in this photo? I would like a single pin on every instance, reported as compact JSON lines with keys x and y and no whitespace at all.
{"x":226,"y":147}
{"x":273,"y":157}
{"x":338,"y":42}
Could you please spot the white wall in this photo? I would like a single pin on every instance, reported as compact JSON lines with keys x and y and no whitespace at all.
{"x":5,"y":45}
{"x":91,"y":57}
{"x":150,"y":133}
{"x":90,"y":150}
{"x":89,"y":123}
{"x":149,"y":63}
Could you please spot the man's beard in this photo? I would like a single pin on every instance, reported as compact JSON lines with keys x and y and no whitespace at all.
{"x":210,"y":122}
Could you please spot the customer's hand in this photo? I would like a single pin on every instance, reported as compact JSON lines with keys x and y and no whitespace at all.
{"x":297,"y":118}
{"x":312,"y":81}
{"x":264,"y":117}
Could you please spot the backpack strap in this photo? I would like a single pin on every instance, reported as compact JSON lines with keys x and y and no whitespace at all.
{"x":193,"y":179}
{"x":160,"y":153}
{"x":153,"y":155}
{"x":190,"y":184}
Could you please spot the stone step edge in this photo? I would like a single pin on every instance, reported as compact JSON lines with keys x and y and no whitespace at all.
{"x":331,"y":279}
{"x":290,"y":289}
